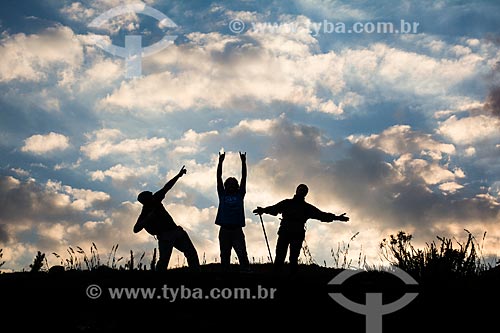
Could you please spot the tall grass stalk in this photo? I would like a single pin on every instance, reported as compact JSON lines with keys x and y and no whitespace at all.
{"x":341,"y":255}
{"x":1,"y":256}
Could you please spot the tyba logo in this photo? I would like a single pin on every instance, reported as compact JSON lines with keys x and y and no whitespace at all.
{"x":133,"y":52}
{"x":373,"y":309}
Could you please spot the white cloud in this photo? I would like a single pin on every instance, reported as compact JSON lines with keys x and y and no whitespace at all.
{"x":44,"y":143}
{"x":412,"y":72}
{"x":462,"y":105}
{"x":470,"y":151}
{"x":120,"y":173}
{"x":10,"y":183}
{"x":401,"y":139}
{"x":77,"y":199}
{"x":55,"y":231}
{"x":192,"y":142}
{"x":470,"y":130}
{"x":77,"y":12}
{"x":430,"y":173}
{"x":33,"y":57}
{"x":473,"y":42}
{"x":105,"y":142}
{"x":84,"y":198}
{"x":272,"y":68}
{"x":450,"y":187}
{"x":218,"y":71}
{"x":104,"y":71}
{"x":20,"y":172}
{"x":258,"y":126}
{"x":201,"y":176}
{"x":51,"y":202}
{"x":459,"y":173}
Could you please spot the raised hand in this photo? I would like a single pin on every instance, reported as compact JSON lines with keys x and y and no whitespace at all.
{"x":182,"y":171}
{"x":243,"y":157}
{"x":221,"y":156}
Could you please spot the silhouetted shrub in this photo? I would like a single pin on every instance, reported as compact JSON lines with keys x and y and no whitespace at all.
{"x":435,"y":260}
{"x":37,"y":264}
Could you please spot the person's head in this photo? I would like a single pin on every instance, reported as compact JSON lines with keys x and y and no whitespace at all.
{"x":231,"y":185}
{"x":301,"y":191}
{"x":145,"y":197}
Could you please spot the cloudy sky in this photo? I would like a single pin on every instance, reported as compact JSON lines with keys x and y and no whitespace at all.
{"x":398,"y":130}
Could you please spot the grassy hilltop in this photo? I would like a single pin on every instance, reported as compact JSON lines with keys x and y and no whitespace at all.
{"x":456,"y":293}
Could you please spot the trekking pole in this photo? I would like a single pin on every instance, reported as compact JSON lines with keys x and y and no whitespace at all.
{"x":265,"y":236}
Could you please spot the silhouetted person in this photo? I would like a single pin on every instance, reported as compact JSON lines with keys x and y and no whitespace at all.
{"x":295,"y":212}
{"x":231,"y":215}
{"x":157,"y":221}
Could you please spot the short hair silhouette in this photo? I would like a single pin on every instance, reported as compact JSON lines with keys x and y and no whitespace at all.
{"x":145,"y":197}
{"x":302,"y":190}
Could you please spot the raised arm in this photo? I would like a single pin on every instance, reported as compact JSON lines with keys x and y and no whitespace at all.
{"x":220,"y":184}
{"x":171,"y":183}
{"x":243,"y":181}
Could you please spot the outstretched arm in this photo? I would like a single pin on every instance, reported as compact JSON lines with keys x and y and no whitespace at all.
{"x":271,"y":210}
{"x":220,"y":184}
{"x":171,"y":183}
{"x":317,"y":214}
{"x":243,"y":181}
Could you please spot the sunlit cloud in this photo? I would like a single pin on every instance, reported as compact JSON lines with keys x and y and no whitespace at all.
{"x":111,"y":141}
{"x":33,"y":57}
{"x":44,"y":143}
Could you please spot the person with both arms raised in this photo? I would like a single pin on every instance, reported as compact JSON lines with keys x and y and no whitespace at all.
{"x":231,"y":215}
